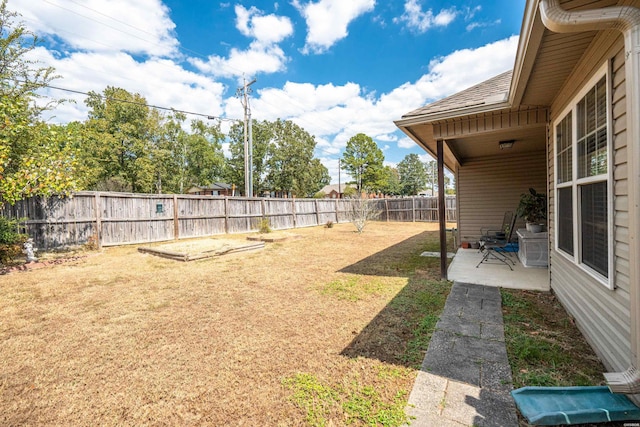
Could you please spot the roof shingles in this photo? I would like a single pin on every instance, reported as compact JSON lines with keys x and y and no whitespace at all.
{"x":491,"y":91}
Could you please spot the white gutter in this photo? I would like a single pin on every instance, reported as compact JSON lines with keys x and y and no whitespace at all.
{"x":625,"y":19}
{"x":452,"y":114}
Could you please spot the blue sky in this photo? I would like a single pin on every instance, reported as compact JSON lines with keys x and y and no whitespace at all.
{"x":335,"y":67}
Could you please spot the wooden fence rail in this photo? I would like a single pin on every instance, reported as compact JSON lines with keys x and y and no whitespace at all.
{"x":111,"y":219}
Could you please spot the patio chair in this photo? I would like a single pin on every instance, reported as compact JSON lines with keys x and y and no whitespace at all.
{"x":495,"y":249}
{"x":495,"y":233}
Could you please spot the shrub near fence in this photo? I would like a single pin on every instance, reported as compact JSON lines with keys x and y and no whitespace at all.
{"x":112,"y":219}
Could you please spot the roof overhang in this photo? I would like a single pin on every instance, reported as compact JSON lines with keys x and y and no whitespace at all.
{"x":477,"y":132}
{"x":544,"y":61}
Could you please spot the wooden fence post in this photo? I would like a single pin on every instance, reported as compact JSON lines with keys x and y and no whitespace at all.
{"x":386,"y":208}
{"x":317,"y":212}
{"x":96,"y":208}
{"x":226,"y":215}
{"x":413,"y":208}
{"x":176,"y":221}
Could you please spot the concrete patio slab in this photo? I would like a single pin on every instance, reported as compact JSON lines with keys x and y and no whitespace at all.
{"x":463,"y":269}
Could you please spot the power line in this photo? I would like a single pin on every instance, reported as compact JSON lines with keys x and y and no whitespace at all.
{"x":178,"y":46}
{"x":326,"y":124}
{"x":108,"y":98}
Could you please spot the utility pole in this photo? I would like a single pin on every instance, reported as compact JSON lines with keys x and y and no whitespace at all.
{"x":243,"y":92}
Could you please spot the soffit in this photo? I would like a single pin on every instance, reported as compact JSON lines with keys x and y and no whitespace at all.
{"x":487,"y":145}
{"x":557,"y":56}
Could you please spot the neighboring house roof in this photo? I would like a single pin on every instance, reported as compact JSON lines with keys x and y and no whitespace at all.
{"x":334,"y":187}
{"x":216,"y":186}
{"x":492,"y":91}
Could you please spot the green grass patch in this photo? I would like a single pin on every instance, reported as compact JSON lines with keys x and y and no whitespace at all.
{"x":544,"y":347}
{"x":313,"y":397}
{"x":392,"y":372}
{"x":355,"y":288}
{"x":354,"y":402}
{"x":414,"y":261}
{"x":423,"y":305}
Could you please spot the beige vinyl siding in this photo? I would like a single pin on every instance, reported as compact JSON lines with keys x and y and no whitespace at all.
{"x":488,"y":187}
{"x":601,"y":314}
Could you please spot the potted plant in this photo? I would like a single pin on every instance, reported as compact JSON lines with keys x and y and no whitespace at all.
{"x":533,"y":209}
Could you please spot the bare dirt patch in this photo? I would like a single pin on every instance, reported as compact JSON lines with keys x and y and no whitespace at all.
{"x":125,"y":338}
{"x":278,"y":236}
{"x":196,"y":249}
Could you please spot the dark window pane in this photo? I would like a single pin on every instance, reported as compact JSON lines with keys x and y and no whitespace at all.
{"x":599,"y":157}
{"x":601,"y":101}
{"x":590,"y":111}
{"x":564,"y":149}
{"x":594,"y":227}
{"x":565,"y":220}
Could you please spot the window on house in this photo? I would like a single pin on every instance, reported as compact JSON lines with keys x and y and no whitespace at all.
{"x":564,"y":156}
{"x":582,"y":180}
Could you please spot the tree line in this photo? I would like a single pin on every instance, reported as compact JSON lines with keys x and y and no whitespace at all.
{"x":126,"y":145}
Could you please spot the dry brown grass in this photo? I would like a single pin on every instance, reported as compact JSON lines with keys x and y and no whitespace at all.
{"x":124,"y":338}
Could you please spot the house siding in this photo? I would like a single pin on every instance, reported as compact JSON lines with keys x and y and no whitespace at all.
{"x":504,"y":185}
{"x":601,"y":314}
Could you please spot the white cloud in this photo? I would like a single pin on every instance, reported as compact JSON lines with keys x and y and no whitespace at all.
{"x":332,"y":113}
{"x":263,"y":54}
{"x":327,"y":20}
{"x":258,"y":58}
{"x":420,"y":21}
{"x":266,"y":29}
{"x":406,"y":142}
{"x":335,"y":113}
{"x":160,"y":81}
{"x":142,"y":27}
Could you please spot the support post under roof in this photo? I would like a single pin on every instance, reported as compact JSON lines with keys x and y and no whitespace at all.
{"x":442,"y":213}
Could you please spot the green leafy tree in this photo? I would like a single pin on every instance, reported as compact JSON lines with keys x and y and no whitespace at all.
{"x":431,"y":167}
{"x":364,"y":161}
{"x":391,"y":181}
{"x":316,"y":177}
{"x":413,"y":175}
{"x":290,"y":161}
{"x":206,"y":160}
{"x":234,"y":170}
{"x":120,"y":138}
{"x":183,"y":159}
{"x":349,"y":192}
{"x":282,"y":159}
{"x":35,"y":158}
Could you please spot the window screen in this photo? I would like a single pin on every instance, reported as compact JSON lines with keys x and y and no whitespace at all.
{"x":594,"y":226}
{"x":564,"y":149}
{"x":565,"y":220}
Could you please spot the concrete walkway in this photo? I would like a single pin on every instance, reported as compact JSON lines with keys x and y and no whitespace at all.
{"x":465,"y":378}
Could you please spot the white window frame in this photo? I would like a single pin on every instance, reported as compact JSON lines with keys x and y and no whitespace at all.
{"x":576,"y":182}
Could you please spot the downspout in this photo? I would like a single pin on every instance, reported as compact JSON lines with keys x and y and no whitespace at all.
{"x":625,"y":19}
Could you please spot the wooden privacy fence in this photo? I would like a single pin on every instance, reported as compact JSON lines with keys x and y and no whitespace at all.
{"x":110,"y":219}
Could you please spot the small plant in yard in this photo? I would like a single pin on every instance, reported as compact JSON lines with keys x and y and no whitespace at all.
{"x":329,"y":224}
{"x":362,"y":210}
{"x":264,"y":226}
{"x":92,"y":243}
{"x":11,"y":239}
